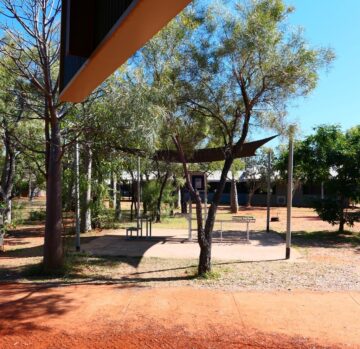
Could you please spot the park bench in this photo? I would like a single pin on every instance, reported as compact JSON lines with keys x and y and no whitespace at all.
{"x":130,"y":230}
{"x":239,"y":219}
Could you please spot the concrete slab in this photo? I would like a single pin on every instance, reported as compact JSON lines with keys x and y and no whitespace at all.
{"x":173,"y":243}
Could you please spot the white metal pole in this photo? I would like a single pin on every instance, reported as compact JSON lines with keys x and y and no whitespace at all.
{"x":77,"y":195}
{"x":138,"y":194}
{"x":268,"y":193}
{"x":247,"y":232}
{"x":290,"y":191}
{"x":190,"y":220}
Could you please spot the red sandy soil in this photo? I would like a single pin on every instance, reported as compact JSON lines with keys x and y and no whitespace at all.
{"x":110,"y":316}
{"x":303,"y":219}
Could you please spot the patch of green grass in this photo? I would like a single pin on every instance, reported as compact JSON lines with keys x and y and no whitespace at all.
{"x":333,"y":239}
{"x":37,"y":216}
{"x":212,"y":275}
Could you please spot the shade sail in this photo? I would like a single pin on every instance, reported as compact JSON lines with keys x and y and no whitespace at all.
{"x":211,"y":154}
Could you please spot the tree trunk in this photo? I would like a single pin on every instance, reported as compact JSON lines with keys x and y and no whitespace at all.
{"x":30,"y":192}
{"x":69,"y":200}
{"x":249,"y":198}
{"x":118,"y":202}
{"x":178,"y":201}
{"x":204,"y":239}
{"x":234,"y":197}
{"x":204,"y":235}
{"x":8,"y":174}
{"x":205,"y":254}
{"x":342,"y":225}
{"x":159,"y":201}
{"x":8,"y":217}
{"x":342,"y":214}
{"x":85,"y":225}
{"x":53,"y":250}
{"x":132,"y":211}
{"x":184,"y":208}
{"x":133,"y":200}
{"x":114,"y":190}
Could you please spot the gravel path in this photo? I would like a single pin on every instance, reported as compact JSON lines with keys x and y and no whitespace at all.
{"x":320,"y":270}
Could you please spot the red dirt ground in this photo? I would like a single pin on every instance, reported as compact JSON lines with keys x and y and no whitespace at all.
{"x":110,"y":316}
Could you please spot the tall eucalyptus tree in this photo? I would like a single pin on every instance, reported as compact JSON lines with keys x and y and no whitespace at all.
{"x":30,"y":32}
{"x":225,"y":75}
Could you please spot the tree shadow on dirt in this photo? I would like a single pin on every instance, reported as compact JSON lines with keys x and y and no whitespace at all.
{"x":26,"y":232}
{"x":239,"y":237}
{"x":24,"y":252}
{"x":185,"y":271}
{"x":23,"y":307}
{"x":34,"y":251}
{"x":120,"y":246}
{"x":127,"y":280}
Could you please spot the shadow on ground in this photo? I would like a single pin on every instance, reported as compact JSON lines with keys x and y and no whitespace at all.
{"x":24,"y":305}
{"x":34,"y":251}
{"x":184,"y":270}
{"x":26,"y":232}
{"x":236,"y":237}
{"x":120,"y":246}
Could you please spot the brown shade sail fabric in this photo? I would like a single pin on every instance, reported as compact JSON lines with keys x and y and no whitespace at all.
{"x":211,"y":154}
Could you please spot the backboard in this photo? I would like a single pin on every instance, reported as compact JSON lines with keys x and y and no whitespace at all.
{"x":98,"y":36}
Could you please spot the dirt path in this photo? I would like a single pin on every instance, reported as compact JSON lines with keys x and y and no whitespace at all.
{"x":109,"y":316}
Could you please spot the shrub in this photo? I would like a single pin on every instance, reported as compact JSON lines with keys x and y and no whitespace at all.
{"x":36,"y":216}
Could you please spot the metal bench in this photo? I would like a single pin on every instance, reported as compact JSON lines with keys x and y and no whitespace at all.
{"x":130,"y":230}
{"x":239,"y":219}
{"x":247,"y":220}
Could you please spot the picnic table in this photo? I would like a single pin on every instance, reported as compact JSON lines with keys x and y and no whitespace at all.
{"x":144,"y":221}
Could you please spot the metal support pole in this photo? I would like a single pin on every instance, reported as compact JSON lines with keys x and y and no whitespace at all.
{"x":221,"y":231}
{"x":268,"y":193}
{"x":247,"y":232}
{"x":205,"y":199}
{"x":77,"y":195}
{"x":290,"y":191}
{"x":138,"y":194}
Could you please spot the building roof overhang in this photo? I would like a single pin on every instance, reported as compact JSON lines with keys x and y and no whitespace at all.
{"x":138,"y":24}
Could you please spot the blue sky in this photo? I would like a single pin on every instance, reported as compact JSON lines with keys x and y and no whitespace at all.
{"x":334,"y":23}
